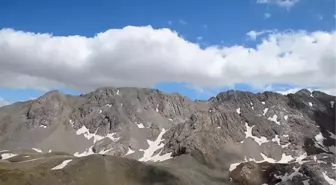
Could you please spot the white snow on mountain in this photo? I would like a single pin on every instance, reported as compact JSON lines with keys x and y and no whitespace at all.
{"x":62,"y":165}
{"x":7,"y":155}
{"x":154,"y":146}
{"x":248,"y":134}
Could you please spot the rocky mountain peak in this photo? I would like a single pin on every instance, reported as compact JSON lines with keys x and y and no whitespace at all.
{"x":151,"y":126}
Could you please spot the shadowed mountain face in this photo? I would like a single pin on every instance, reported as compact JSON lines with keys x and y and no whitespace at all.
{"x":228,"y":135}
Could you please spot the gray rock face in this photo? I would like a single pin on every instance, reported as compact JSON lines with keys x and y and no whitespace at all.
{"x":146,"y":124}
{"x":289,"y":124}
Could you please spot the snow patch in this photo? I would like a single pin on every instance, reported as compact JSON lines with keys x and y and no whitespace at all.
{"x":37,"y":150}
{"x":306,"y":182}
{"x":130,"y":151}
{"x":83,"y":130}
{"x":43,"y":126}
{"x":118,"y":92}
{"x":111,"y":136}
{"x":105,"y":151}
{"x":238,"y":110}
{"x":154,"y":146}
{"x":265,"y":111}
{"x":300,"y":158}
{"x":319,"y":161}
{"x":233,"y":166}
{"x":263,"y":102}
{"x":285,"y":135}
{"x":332,"y":104}
{"x":286,"y":117}
{"x":62,"y":165}
{"x":267,"y":159}
{"x":71,"y":122}
{"x":100,"y":111}
{"x":170,"y":119}
{"x":87,"y":152}
{"x":285,"y":145}
{"x":328,"y":179}
{"x":333,"y":166}
{"x":274,"y":119}
{"x":140,"y":125}
{"x":276,"y":139}
{"x":7,"y":155}
{"x":285,"y":158}
{"x":310,"y":104}
{"x":108,"y":105}
{"x":319,"y":138}
{"x":248,"y":133}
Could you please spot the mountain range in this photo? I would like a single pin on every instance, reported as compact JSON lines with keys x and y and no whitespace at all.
{"x":143,"y":136}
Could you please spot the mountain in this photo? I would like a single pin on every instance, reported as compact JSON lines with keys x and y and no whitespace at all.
{"x":144,"y":136}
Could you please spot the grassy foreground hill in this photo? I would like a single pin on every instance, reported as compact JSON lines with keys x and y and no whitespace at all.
{"x":41,"y":169}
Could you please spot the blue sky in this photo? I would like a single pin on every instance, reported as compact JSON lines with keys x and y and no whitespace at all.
{"x":206,"y":23}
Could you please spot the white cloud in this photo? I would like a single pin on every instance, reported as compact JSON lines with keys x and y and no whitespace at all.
{"x":143,"y":56}
{"x":3,"y":102}
{"x":282,"y":3}
{"x":254,"y":34}
{"x":267,"y":15}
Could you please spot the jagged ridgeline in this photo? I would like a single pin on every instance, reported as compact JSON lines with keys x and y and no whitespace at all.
{"x":144,"y":136}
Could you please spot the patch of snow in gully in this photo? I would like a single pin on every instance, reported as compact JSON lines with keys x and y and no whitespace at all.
{"x":154,"y":146}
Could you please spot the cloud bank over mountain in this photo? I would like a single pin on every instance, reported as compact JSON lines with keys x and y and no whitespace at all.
{"x":144,"y":56}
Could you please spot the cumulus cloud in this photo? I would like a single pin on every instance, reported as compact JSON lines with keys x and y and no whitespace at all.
{"x":143,"y":57}
{"x":282,"y":3}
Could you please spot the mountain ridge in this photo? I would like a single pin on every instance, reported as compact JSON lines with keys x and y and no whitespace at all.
{"x":151,"y":126}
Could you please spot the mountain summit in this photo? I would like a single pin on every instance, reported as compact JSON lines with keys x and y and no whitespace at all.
{"x":144,"y":136}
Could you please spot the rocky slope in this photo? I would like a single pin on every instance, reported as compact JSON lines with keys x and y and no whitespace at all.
{"x":223,"y":136}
